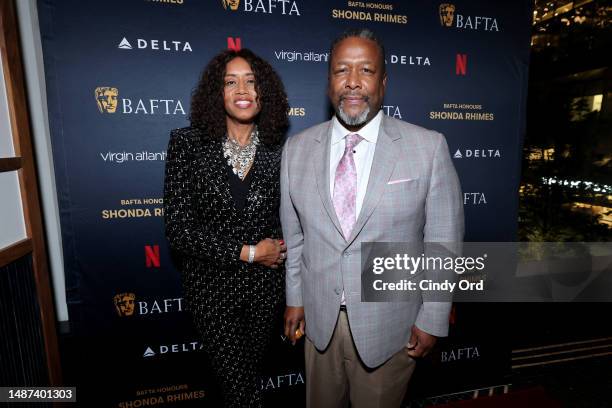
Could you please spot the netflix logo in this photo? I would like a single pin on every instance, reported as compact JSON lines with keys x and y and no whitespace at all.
{"x":152,"y":257}
{"x":461,"y":65}
{"x":234,"y":44}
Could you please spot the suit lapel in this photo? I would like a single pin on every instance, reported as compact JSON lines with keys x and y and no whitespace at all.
{"x":383,"y":164}
{"x":320,"y":165}
{"x":256,"y":178}
{"x":219,"y":169}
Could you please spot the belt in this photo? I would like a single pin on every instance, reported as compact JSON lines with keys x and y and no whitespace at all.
{"x":343,"y":308}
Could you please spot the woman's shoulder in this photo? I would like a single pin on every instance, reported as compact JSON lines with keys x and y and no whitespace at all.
{"x":188,"y":132}
{"x":273,"y":151}
{"x":191,"y":136}
{"x":272,"y":144}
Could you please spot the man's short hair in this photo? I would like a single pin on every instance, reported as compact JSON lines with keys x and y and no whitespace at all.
{"x":360,"y":33}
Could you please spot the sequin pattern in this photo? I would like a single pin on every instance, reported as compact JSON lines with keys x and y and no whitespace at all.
{"x":234,"y":304}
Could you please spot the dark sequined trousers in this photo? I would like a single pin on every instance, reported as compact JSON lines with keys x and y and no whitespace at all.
{"x":236,"y":324}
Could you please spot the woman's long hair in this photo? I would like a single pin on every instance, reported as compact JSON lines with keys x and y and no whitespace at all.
{"x":207,"y":105}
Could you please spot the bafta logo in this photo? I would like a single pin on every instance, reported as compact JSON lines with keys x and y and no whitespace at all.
{"x":124,"y":303}
{"x":106,"y":97}
{"x":231,"y":4}
{"x":447,"y":14}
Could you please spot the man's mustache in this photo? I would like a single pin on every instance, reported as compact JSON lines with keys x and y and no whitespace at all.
{"x":366,"y":98}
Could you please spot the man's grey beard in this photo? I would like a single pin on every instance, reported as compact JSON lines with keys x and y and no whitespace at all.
{"x":353,"y":120}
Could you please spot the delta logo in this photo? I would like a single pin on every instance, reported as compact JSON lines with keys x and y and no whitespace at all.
{"x":477,"y":154}
{"x":165,"y":349}
{"x":108,"y":102}
{"x":450,"y":18}
{"x":283,"y":7}
{"x":155,"y":45}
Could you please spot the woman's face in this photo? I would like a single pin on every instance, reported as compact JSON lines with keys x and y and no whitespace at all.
{"x":239,"y":95}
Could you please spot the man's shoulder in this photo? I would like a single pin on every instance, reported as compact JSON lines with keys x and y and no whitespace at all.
{"x":413,"y":136}
{"x":411,"y":133}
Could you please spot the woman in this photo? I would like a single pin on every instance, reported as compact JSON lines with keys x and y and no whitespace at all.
{"x":221,"y":203}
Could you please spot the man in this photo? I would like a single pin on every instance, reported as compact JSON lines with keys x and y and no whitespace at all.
{"x":361,"y":177}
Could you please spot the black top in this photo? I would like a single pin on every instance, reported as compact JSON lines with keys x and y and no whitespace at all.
{"x":206,"y":231}
{"x":238,"y":187}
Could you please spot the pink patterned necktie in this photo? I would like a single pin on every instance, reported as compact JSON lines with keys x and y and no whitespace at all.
{"x":345,"y":186}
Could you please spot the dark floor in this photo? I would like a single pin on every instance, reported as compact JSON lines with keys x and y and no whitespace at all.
{"x":579,"y":383}
{"x":583,"y":383}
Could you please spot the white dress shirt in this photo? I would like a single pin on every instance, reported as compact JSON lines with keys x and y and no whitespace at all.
{"x":363,"y":156}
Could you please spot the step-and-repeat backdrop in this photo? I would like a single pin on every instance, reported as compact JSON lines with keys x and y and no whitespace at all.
{"x":119,"y":78}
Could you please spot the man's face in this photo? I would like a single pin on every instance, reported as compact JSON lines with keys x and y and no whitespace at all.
{"x":356,"y":81}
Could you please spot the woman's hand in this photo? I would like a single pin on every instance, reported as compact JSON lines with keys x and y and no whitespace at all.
{"x":270,"y":252}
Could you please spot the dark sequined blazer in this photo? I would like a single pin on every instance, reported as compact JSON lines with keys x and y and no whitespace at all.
{"x":205,"y":229}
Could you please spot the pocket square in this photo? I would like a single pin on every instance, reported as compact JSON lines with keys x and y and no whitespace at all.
{"x":400,"y":181}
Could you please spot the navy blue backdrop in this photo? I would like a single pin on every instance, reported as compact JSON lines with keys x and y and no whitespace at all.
{"x":119,"y":77}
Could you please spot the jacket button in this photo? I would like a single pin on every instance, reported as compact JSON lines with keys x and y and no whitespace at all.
{"x":347,"y":254}
{"x":337,"y":290}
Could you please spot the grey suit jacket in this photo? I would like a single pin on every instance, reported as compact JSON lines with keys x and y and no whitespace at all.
{"x":321,"y":262}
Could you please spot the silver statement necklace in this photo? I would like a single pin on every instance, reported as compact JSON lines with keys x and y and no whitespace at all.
{"x":241,"y":157}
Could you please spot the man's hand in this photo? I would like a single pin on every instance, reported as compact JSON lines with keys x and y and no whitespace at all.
{"x":420,"y":343}
{"x":294,"y":318}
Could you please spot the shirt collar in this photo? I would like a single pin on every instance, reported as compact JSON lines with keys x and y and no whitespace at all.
{"x":369,"y":132}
